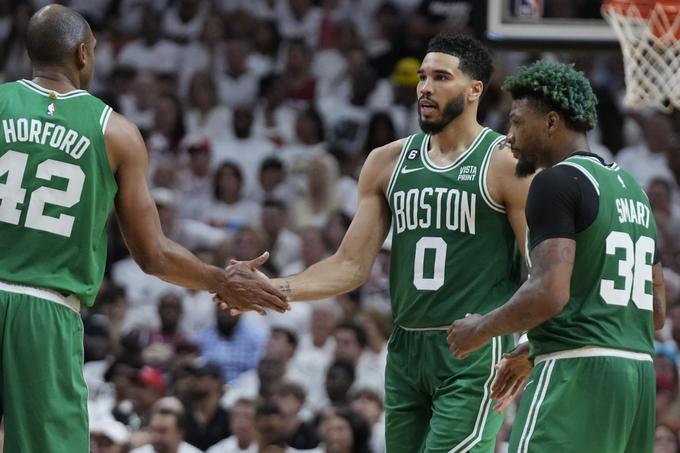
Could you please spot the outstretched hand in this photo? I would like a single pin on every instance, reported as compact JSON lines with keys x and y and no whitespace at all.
{"x":512,"y":373}
{"x":248,"y":289}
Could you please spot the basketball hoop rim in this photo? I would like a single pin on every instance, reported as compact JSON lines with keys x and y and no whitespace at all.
{"x":644,"y":7}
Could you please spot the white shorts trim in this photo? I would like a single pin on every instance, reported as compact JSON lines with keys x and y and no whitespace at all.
{"x":423,"y":329}
{"x":593,"y":351}
{"x":71,"y":301}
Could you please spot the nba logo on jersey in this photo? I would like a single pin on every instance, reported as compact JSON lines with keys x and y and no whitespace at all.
{"x":50,"y":109}
{"x":529,"y":8}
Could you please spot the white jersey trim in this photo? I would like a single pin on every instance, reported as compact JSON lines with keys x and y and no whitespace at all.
{"x":400,"y":161}
{"x":483,"y":186}
{"x":439,"y":169}
{"x":587,"y":174}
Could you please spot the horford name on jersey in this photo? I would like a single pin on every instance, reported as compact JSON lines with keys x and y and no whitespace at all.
{"x":53,"y":135}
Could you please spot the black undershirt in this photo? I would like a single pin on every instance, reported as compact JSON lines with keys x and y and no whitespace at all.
{"x":561,"y":203}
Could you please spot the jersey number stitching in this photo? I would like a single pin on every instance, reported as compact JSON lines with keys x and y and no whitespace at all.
{"x":13,"y":164}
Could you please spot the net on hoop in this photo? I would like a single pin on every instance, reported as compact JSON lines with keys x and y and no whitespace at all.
{"x":649,"y":33}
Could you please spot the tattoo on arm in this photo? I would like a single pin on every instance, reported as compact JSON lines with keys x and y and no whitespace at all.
{"x":285,"y":288}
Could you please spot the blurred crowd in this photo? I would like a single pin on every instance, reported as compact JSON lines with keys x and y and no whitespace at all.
{"x":257,"y":116}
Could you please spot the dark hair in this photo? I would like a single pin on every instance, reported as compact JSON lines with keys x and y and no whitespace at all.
{"x":180,"y":129}
{"x":361,"y":431}
{"x":290,"y":335}
{"x":216,"y":179}
{"x":274,"y":203}
{"x":180,"y":417}
{"x":343,"y":365}
{"x":54,"y":34}
{"x":293,"y":389}
{"x":271,"y":162}
{"x":357,"y":330}
{"x":559,"y":87}
{"x":266,"y":408}
{"x":313,"y":114}
{"x":368,"y":393}
{"x":475,"y":59}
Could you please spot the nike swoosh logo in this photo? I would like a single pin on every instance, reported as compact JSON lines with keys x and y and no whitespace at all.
{"x":410,"y":170}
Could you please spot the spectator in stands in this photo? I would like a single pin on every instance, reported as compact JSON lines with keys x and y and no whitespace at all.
{"x":369,"y":405}
{"x":236,"y":82}
{"x":167,"y":433}
{"x":233,"y":344}
{"x":184,"y":21}
{"x":206,"y":422}
{"x":148,"y":386}
{"x":647,"y":160}
{"x":666,"y":439}
{"x":320,"y":200}
{"x":344,"y":431}
{"x":205,"y":117}
{"x":14,"y":61}
{"x":284,"y":245}
{"x":300,"y":81}
{"x":230,"y":209}
{"x":242,"y":425}
{"x":151,"y":52}
{"x":339,"y":378}
{"x":274,"y":119}
{"x":290,"y":398}
{"x":108,"y":436}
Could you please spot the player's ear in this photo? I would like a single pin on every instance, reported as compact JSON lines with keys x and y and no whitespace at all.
{"x":476,"y":90}
{"x":81,"y":55}
{"x":553,"y":120}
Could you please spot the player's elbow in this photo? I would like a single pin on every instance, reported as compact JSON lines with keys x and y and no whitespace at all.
{"x":554,"y":298}
{"x":150,"y":258}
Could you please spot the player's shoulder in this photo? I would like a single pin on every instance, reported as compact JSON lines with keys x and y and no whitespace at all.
{"x":385,"y":154}
{"x":380,"y":164}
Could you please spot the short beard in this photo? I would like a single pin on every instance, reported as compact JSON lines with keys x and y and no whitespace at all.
{"x":524,"y":168}
{"x":451,"y":111}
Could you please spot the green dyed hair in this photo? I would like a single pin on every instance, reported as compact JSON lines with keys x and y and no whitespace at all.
{"x":559,"y":87}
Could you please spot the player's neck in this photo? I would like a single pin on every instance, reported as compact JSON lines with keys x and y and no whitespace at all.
{"x":573,"y":144}
{"x":457,"y":136}
{"x":56,"y":79}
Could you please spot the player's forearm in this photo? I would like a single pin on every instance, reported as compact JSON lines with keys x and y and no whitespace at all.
{"x":175,"y":264}
{"x":327,"y":278}
{"x":530,"y":306}
{"x":658,"y":297}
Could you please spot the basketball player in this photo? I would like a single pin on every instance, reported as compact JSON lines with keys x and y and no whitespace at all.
{"x":65,"y":158}
{"x":457,"y":211}
{"x":595,"y":293}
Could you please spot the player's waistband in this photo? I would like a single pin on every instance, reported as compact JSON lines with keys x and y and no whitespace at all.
{"x":593,"y":351}
{"x":71,"y":301}
{"x":423,"y":329}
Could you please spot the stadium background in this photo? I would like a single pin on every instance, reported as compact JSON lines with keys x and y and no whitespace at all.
{"x":257,"y":115}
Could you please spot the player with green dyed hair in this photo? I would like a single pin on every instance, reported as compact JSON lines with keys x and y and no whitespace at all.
{"x":595,"y":293}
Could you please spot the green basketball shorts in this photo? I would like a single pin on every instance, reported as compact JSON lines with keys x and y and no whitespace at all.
{"x":43,"y":396}
{"x":588,"y":400}
{"x":435,"y":402}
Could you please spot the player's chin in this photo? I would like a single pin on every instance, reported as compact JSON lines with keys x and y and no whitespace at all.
{"x":525,"y":167}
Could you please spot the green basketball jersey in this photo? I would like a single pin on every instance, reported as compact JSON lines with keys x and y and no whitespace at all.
{"x":610,"y":302}
{"x":56,"y":189}
{"x":453,"y":250}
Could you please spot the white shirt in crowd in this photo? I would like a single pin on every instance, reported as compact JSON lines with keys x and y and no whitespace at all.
{"x":183,"y":448}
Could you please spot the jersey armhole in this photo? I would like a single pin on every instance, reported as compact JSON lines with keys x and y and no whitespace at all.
{"x":400,"y":161}
{"x":104,"y":118}
{"x":483,"y":186}
{"x":586,"y":173}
